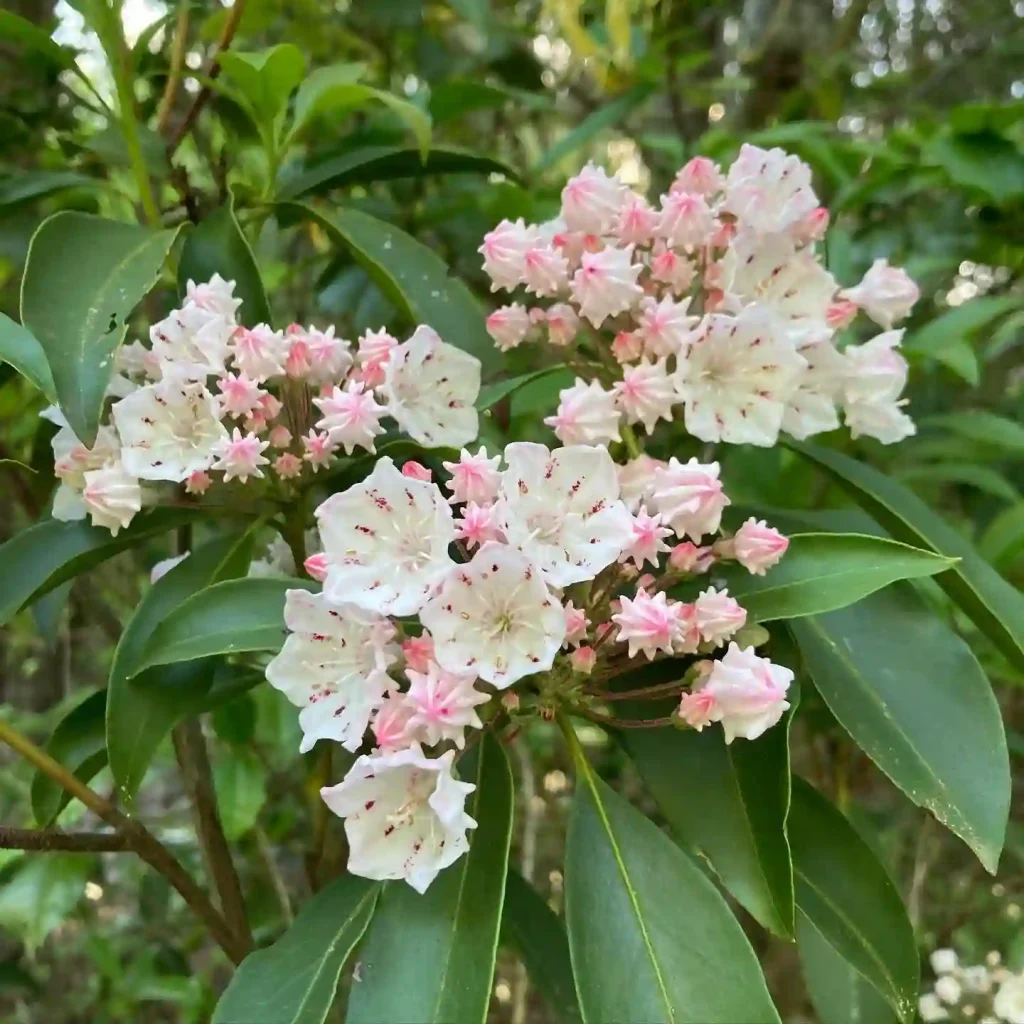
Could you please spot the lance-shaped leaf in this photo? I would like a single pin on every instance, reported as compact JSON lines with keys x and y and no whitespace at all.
{"x":430,"y":958}
{"x":83,"y":277}
{"x":294,"y":980}
{"x":492,"y":394}
{"x":21,"y":349}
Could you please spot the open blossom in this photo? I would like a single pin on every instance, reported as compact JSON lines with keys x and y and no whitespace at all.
{"x":496,"y":617}
{"x":478,"y":524}
{"x":749,"y":693}
{"x":689,"y":497}
{"x":387,"y":538}
{"x":718,"y":616}
{"x":404,"y":814}
{"x":561,"y":509}
{"x":443,"y":704}
{"x":605,"y":285}
{"x":876,"y":374}
{"x":214,"y":296}
{"x":239,"y":396}
{"x":509,"y":326}
{"x":431,"y":389}
{"x":646,"y":393}
{"x":648,"y":539}
{"x":319,"y":449}
{"x":586,"y":414}
{"x":884,"y":421}
{"x":769,"y":190}
{"x":504,"y":252}
{"x":685,"y":220}
{"x":240,"y":456}
{"x":664,"y":326}
{"x":592,"y":200}
{"x":372,"y":355}
{"x":195,"y":342}
{"x":474,"y":477}
{"x":758,"y":546}
{"x":260,"y":352}
{"x":112,"y":496}
{"x":334,"y":666}
{"x":351,"y":416}
{"x":811,"y":408}
{"x":886,"y":294}
{"x":648,"y":624}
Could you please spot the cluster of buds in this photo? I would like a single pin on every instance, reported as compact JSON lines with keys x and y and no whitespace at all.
{"x":713,"y":301}
{"x":985,"y":993}
{"x":209,"y":401}
{"x":522,"y":568}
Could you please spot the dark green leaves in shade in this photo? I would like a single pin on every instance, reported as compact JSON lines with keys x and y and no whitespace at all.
{"x":844,"y":893}
{"x":996,"y":608}
{"x":914,"y":698}
{"x":294,"y":980}
{"x":824,"y":571}
{"x":21,"y":349}
{"x":430,"y":958}
{"x":218,"y":246}
{"x":646,"y":925}
{"x":492,"y":394}
{"x":413,"y":277}
{"x":83,"y":278}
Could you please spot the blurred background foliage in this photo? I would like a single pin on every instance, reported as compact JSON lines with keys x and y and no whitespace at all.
{"x":911,"y":113}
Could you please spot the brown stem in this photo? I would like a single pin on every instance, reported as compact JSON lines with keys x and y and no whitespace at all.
{"x":194,"y":763}
{"x":625,"y":723}
{"x":47,"y":839}
{"x":644,"y":693}
{"x":138,"y":837}
{"x":166,"y":107}
{"x":212,"y":71}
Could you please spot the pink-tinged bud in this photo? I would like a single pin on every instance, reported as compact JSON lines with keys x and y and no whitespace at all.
{"x":298,"y":363}
{"x":700,"y":175}
{"x":316,"y":566}
{"x":255,"y":424}
{"x":718,"y":615}
{"x":886,"y":293}
{"x":757,"y":546}
{"x":749,"y":693}
{"x":724,"y":233}
{"x":509,"y":325}
{"x":287,"y":466}
{"x":697,"y":709}
{"x":295,"y":329}
{"x":280,"y":436}
{"x":645,"y":581}
{"x":418,"y":652}
{"x":841,"y":314}
{"x":713,"y":299}
{"x":416,"y":470}
{"x":510,"y":702}
{"x":576,"y":623}
{"x":812,"y":227}
{"x":391,"y":723}
{"x":627,"y":347}
{"x":583,"y":660}
{"x":198,"y":482}
{"x":688,"y":557}
{"x":270,"y":407}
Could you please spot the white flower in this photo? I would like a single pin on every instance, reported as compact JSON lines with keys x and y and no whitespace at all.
{"x":769,"y":190}
{"x":478,"y":524}
{"x":701,"y":175}
{"x":948,"y":989}
{"x":811,"y":409}
{"x":737,"y":378}
{"x":646,"y":393}
{"x":261,"y":352}
{"x":112,"y":496}
{"x":443,"y":704}
{"x":215,"y":296}
{"x":561,"y":508}
{"x":72,"y":459}
{"x":168,"y":430}
{"x":689,"y":497}
{"x":749,"y":693}
{"x":431,"y":389}
{"x":474,"y":477}
{"x":509,"y":326}
{"x":586,"y":414}
{"x":886,"y":294}
{"x":605,"y":285}
{"x":875,"y":371}
{"x":685,"y":220}
{"x":718,"y":616}
{"x":1008,"y":1004}
{"x":240,"y":456}
{"x":930,"y":1009}
{"x":648,"y":540}
{"x":334,"y":666}
{"x":387,"y":539}
{"x":351,"y":416}
{"x":504,"y":253}
{"x":496,"y":617}
{"x":591,"y":201}
{"x":884,"y":421}
{"x":192,"y":342}
{"x":404,"y":814}
{"x":330,"y":358}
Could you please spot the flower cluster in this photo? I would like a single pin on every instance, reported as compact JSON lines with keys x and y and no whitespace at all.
{"x":524,"y":566}
{"x":985,"y":993}
{"x":210,"y":401}
{"x":713,"y":300}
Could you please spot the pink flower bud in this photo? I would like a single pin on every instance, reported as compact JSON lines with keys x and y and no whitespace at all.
{"x":688,"y":557}
{"x":316,"y":566}
{"x":750,"y":693}
{"x":416,"y":470}
{"x":841,"y":314}
{"x":198,"y":482}
{"x":576,"y":623}
{"x":510,"y":702}
{"x":287,"y":465}
{"x":718,"y":615}
{"x":697,"y":709}
{"x":699,"y":175}
{"x":583,"y":660}
{"x":886,"y":293}
{"x":627,"y":347}
{"x":418,"y":652}
{"x":280,"y":436}
{"x":757,"y":546}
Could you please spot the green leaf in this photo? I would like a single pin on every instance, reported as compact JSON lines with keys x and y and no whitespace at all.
{"x":413,"y":277}
{"x":226,"y":618}
{"x":294,"y":980}
{"x":384,"y":163}
{"x":914,"y":698}
{"x":78,"y":743}
{"x":430,"y":958}
{"x":979,"y":425}
{"x":23,"y":33}
{"x":1003,"y":539}
{"x":839,"y":993}
{"x":492,"y":394}
{"x":985,"y":161}
{"x":141,"y":711}
{"x":731,"y":812}
{"x":846,"y":895}
{"x":824,"y":571}
{"x":996,"y":608}
{"x":240,"y":782}
{"x":315,"y":92}
{"x":23,"y":186}
{"x":456,"y":97}
{"x":969,"y":474}
{"x":538,"y":935}
{"x":42,"y":557}
{"x":218,"y":246}
{"x":78,"y":307}
{"x":41,"y":894}
{"x":19,"y":348}
{"x":645,"y":923}
{"x":265,"y":79}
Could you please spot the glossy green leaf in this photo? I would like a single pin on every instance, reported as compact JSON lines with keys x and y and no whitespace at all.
{"x":240,"y":782}
{"x":141,"y":711}
{"x":265,"y":79}
{"x":23,"y":186}
{"x":492,"y":394}
{"x":384,"y":163}
{"x":845,"y":893}
{"x":824,"y":571}
{"x":430,"y":958}
{"x":413,"y":277}
{"x":294,"y":980}
{"x":732,"y":810}
{"x":218,"y":246}
{"x":78,"y":743}
{"x":20,"y":348}
{"x":980,"y":425}
{"x":81,"y":332}
{"x":42,"y":557}
{"x":983,"y":160}
{"x":226,"y":618}
{"x":996,"y":607}
{"x":645,"y":923}
{"x":538,"y":935}
{"x":914,"y":698}
{"x":314,"y":93}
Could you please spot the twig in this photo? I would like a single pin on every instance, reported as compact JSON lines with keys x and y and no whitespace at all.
{"x":166,"y":107}
{"x":212,"y":72}
{"x":194,"y":763}
{"x":644,"y":693}
{"x":625,"y":723}
{"x":53,"y":839}
{"x":280,"y":889}
{"x":140,"y":840}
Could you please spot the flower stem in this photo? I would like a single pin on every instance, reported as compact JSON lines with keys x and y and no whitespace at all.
{"x":625,"y":723}
{"x":643,"y":693}
{"x":629,"y":439}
